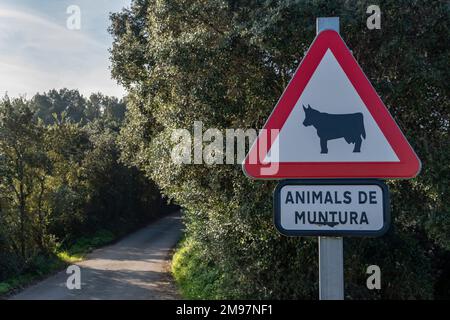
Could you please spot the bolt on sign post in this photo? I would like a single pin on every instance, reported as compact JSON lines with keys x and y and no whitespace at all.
{"x":332,"y":138}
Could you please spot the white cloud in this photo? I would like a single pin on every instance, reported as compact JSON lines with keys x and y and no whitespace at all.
{"x":37,"y":55}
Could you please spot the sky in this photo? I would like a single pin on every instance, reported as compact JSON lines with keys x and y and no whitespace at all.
{"x":38,"y":52}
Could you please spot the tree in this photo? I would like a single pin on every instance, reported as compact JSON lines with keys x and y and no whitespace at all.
{"x":225,"y":63}
{"x":50,"y":106}
{"x":66,"y":145}
{"x":100,"y":105}
{"x":23,"y":168}
{"x":61,"y":179}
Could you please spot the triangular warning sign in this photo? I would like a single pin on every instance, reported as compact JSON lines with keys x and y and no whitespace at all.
{"x":330,"y":123}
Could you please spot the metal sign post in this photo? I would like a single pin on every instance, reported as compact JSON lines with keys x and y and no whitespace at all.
{"x":331,"y":268}
{"x":331,"y":249}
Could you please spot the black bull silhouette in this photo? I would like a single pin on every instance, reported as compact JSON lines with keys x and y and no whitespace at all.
{"x":334,"y":126}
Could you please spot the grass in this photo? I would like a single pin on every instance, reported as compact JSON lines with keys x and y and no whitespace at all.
{"x":84,"y":245}
{"x":4,"y":288}
{"x":45,"y":265}
{"x":195,"y":277}
{"x":16,"y":282}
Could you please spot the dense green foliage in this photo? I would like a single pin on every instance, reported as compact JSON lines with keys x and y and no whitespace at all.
{"x":62,"y":187}
{"x":195,"y":277}
{"x":225,"y":63}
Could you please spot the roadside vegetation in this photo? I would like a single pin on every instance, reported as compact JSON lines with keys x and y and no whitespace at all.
{"x":43,"y":265}
{"x":196,"y":277}
{"x":63,"y":190}
{"x":226,"y":63}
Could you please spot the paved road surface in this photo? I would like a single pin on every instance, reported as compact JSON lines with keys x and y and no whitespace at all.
{"x":137,"y":267}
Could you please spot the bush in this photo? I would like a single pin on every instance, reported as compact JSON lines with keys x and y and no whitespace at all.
{"x":195,"y":274}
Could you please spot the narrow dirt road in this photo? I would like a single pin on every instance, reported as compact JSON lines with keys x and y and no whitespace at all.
{"x":137,"y":267}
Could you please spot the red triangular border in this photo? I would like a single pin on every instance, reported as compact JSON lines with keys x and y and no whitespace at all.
{"x":409,"y":164}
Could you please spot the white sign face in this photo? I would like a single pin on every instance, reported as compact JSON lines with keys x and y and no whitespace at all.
{"x":330,"y":123}
{"x":329,"y":92}
{"x":324,"y":207}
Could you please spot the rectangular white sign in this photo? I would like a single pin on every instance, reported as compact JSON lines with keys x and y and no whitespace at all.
{"x":332,"y":207}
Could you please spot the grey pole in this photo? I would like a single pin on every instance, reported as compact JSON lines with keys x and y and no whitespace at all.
{"x":331,"y":249}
